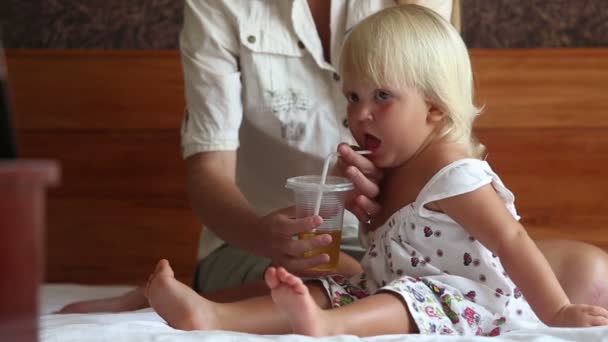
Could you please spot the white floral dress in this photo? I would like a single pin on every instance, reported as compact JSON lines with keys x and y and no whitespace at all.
{"x":451,"y":283}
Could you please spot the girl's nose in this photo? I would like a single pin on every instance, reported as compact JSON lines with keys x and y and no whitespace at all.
{"x":364,"y":113}
{"x":360,"y":111}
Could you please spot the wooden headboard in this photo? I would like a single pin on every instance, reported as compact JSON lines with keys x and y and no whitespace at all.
{"x":112,"y":120}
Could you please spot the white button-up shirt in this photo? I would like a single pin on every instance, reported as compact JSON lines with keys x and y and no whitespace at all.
{"x":257,"y":81}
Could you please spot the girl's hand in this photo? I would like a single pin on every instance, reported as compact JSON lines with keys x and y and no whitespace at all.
{"x":580,"y":315}
{"x":365,"y":177}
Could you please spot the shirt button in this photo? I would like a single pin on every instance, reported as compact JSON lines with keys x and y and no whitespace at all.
{"x":301,"y":45}
{"x":251,"y":39}
{"x":345,"y":123}
{"x":336,"y":77}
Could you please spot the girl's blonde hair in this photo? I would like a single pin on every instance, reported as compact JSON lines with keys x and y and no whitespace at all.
{"x":411,"y":46}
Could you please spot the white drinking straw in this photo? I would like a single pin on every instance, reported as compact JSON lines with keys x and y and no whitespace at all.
{"x":328,"y":160}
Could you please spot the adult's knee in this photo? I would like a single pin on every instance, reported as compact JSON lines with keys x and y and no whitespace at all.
{"x":581,"y":268}
{"x":228,"y":267}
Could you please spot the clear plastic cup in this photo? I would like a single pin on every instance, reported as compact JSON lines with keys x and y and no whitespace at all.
{"x":307,"y":190}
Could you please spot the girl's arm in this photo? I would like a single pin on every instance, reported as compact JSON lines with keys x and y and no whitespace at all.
{"x":484,"y":215}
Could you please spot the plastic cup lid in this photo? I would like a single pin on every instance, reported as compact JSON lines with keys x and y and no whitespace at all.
{"x":311,"y":183}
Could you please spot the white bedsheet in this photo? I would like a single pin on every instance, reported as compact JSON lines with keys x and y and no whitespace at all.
{"x":146,"y":325}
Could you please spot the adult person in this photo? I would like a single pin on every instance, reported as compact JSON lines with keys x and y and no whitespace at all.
{"x":264,"y":103}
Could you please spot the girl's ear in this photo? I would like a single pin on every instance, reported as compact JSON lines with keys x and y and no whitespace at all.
{"x":435,"y":113}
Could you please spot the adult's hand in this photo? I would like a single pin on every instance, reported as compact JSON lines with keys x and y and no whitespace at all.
{"x":281,"y":227}
{"x":365,"y":177}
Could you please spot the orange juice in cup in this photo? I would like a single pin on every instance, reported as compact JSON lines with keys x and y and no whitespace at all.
{"x":326,"y":199}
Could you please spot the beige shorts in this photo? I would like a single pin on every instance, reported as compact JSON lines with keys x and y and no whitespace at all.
{"x":226,"y":267}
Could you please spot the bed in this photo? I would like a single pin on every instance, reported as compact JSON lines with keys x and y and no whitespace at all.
{"x":146,"y":325}
{"x":122,"y":202}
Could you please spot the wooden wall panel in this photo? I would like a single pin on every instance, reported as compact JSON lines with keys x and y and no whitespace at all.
{"x":96,"y":89}
{"x":545,"y":123}
{"x":557,"y":176}
{"x":121,"y":205}
{"x":519,"y":88}
{"x":112,"y":240}
{"x":536,"y":88}
{"x":112,"y":163}
{"x":112,"y":119}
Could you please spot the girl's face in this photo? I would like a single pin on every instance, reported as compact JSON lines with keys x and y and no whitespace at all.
{"x":394,"y":124}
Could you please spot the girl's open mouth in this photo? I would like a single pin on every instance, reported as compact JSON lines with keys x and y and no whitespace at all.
{"x":371,"y":142}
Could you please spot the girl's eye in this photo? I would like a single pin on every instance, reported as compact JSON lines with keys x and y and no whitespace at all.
{"x":351,"y":98}
{"x":382,"y":95}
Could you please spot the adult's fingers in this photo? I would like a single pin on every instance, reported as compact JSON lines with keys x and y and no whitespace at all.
{"x":286,"y":212}
{"x":293,"y":226}
{"x":295,"y":248}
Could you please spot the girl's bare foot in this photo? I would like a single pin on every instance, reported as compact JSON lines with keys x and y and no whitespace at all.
{"x":292,"y":297}
{"x":177,"y":303}
{"x":132,"y":300}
